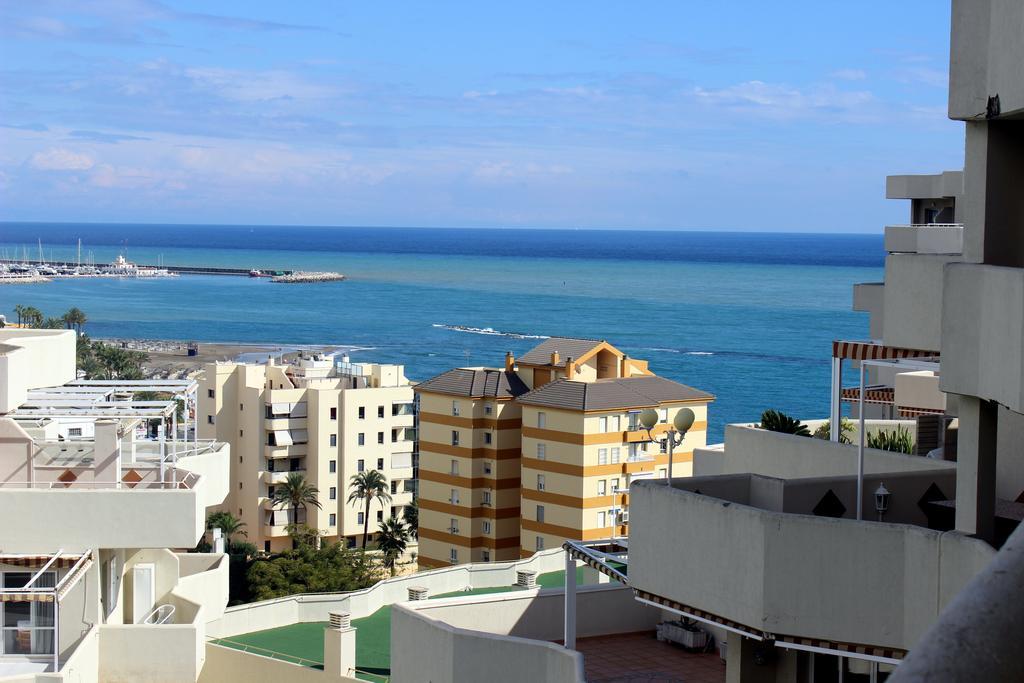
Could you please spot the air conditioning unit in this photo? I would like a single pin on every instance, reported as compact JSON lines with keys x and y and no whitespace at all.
{"x":624,"y":517}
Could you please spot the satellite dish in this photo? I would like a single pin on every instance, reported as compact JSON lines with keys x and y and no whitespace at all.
{"x":649,"y":418}
{"x":683,"y":420}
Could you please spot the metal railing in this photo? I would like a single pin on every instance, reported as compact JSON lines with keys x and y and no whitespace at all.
{"x":928,"y":225}
{"x":164,"y":614}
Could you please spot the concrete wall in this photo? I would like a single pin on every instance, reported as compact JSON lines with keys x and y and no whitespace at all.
{"x":258,"y":616}
{"x":155,"y":654}
{"x":869,"y":297}
{"x":815,"y":577}
{"x":913,"y":300}
{"x":228,"y":664}
{"x":913,"y":239}
{"x":426,"y":649}
{"x":985,"y":55}
{"x":204,"y":580}
{"x":30,"y":359}
{"x":757,"y":451}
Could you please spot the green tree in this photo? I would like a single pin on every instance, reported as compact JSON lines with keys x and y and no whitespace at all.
{"x":228,"y":524}
{"x":411,"y":513}
{"x":19,"y":310}
{"x":775,"y":421}
{"x":366,"y":487}
{"x":845,"y":430}
{"x":31,"y":316}
{"x":296,"y":493}
{"x":393,"y":540}
{"x":52,"y":323}
{"x":307,"y":569}
{"x":74,"y":319}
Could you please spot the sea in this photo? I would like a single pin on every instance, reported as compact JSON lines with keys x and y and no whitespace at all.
{"x":749,"y":317}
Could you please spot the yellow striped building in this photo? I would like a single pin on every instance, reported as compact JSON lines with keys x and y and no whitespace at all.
{"x":518,"y":459}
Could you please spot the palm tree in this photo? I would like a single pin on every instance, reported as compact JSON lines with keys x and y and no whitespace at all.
{"x":367,"y":486}
{"x":296,"y":493}
{"x":19,"y":310}
{"x":776,"y":421}
{"x":228,"y":524}
{"x":394,"y":537}
{"x":411,"y":513}
{"x":74,"y":318}
{"x":32,"y":316}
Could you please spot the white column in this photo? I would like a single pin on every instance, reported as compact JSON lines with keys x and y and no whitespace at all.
{"x":860,"y":447}
{"x":837,"y":383}
{"x":570,"y":602}
{"x":340,"y":647}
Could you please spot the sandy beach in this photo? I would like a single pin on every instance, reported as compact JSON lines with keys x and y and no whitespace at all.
{"x":170,"y":359}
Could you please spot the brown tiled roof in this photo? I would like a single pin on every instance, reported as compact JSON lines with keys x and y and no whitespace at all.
{"x":472,"y":383}
{"x":566,"y":347}
{"x":612,"y":394}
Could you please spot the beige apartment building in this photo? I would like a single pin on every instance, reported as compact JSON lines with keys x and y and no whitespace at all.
{"x":518,"y":459}
{"x":326,"y":418}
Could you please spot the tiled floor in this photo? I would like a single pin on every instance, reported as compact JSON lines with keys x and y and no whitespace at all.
{"x":640,"y":658}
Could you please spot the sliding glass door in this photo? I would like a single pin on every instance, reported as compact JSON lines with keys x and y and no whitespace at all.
{"x":27,"y":625}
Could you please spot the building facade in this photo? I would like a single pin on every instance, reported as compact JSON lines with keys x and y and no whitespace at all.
{"x":324,"y":418}
{"x":518,"y":459}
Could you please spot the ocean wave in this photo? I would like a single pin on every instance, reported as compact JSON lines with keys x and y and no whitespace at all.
{"x":700,"y":353}
{"x":489,"y":331}
{"x":661,"y":350}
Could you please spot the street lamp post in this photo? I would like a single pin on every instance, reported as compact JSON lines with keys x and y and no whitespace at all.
{"x":681,"y":424}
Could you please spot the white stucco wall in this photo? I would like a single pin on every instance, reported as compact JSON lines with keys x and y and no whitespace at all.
{"x":30,"y":359}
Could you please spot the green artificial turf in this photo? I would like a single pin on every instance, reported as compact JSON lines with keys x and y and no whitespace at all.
{"x":303,"y":643}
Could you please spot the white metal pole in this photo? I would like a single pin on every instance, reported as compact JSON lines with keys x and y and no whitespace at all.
{"x":162,"y":435}
{"x":174,"y":433}
{"x":570,"y":602}
{"x":56,"y":633}
{"x":837,"y":379}
{"x":860,"y":447}
{"x":671,"y":435}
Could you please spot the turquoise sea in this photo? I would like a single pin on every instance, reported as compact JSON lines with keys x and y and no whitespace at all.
{"x":749,"y":317}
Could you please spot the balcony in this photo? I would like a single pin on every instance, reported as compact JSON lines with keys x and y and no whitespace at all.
{"x":785,"y":558}
{"x":929,"y":238}
{"x":912,"y":306}
{"x":279,"y":477}
{"x":983,"y":334}
{"x":107,"y":493}
{"x":295,"y":451}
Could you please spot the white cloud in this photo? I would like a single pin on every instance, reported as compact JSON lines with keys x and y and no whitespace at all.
{"x":849,"y":74}
{"x":258,"y":86}
{"x":61,"y":159}
{"x":780,"y":101}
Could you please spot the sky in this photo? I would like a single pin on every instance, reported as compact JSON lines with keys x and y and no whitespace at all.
{"x":680,"y":114}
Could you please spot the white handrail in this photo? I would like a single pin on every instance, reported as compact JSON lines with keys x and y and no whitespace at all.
{"x":160,"y":615}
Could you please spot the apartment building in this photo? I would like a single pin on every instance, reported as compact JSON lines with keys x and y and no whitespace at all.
{"x":322,"y":416}
{"x":517,"y":459}
{"x":95,"y":583}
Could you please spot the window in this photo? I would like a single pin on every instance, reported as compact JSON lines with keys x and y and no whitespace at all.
{"x":380,"y":463}
{"x":540,"y":482}
{"x":542,"y":451}
{"x":454,"y":498}
{"x":615,"y":455}
{"x":455,"y":408}
{"x":542,"y":420}
{"x":455,"y":437}
{"x":662,"y":473}
{"x":540,"y":513}
{"x":332,"y":466}
{"x":487,"y":466}
{"x":394,"y":486}
{"x":633,"y":451}
{"x":616,"y":423}
{"x":362,"y":412}
{"x":453,"y":526}
{"x":380,"y":412}
{"x":360,"y":518}
{"x":486,"y":557}
{"x":361,"y":439}
{"x":332,"y":519}
{"x":334,"y":413}
{"x":487,"y":438}
{"x":455,"y":467}
{"x":241,"y":407}
{"x":210,"y":393}
{"x":602,"y":424}
{"x":394,"y":436}
{"x":380,"y":515}
{"x":209,"y":419}
{"x":601,"y":520}
{"x":487,"y":526}
{"x":540,"y":543}
{"x":28,"y":627}
{"x":270,"y":491}
{"x":333,"y":493}
{"x":380,"y":437}
{"x":266,"y":546}
{"x":602,"y":456}
{"x":454,"y":556}
{"x":663,"y":414}
{"x":486,"y":499}
{"x":615,"y":485}
{"x":74,"y":431}
{"x":360,"y":465}
{"x":602,"y":487}
{"x":334,"y":440}
{"x":488,"y":409}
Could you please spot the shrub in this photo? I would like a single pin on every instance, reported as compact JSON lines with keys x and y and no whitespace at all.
{"x":845,"y":430}
{"x":775,"y":421}
{"x":897,"y":441}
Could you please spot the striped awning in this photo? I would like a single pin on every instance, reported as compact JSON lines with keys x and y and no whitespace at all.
{"x":579,"y":553}
{"x":862,"y":350}
{"x":62,"y":562}
{"x":28,"y":596}
{"x":872,"y":394}
{"x":849,"y":648}
{"x":73,"y":577}
{"x":906,"y":411}
{"x":701,"y":614}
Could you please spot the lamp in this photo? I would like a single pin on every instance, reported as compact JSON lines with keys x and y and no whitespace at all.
{"x":881,"y":500}
{"x":681,"y":424}
{"x":649,"y":418}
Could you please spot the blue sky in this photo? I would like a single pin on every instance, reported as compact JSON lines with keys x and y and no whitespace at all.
{"x":663,"y":115}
